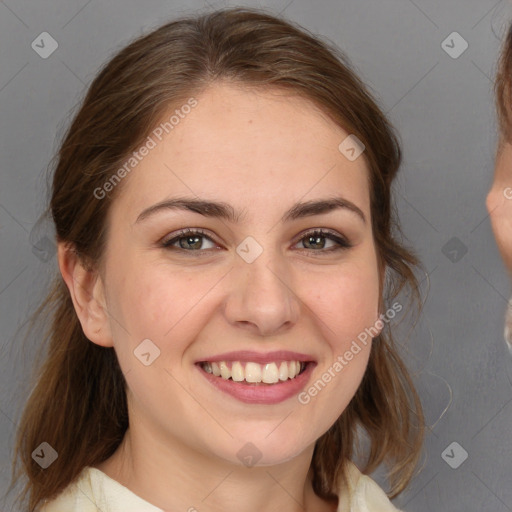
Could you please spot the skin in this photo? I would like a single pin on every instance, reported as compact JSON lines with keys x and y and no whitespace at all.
{"x":261,"y":152}
{"x":499,"y":203}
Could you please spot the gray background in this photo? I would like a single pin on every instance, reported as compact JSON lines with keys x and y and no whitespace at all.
{"x":442,"y":107}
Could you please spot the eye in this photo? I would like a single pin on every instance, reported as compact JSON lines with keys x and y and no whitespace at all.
{"x":189,"y":239}
{"x":316,"y":240}
{"x":193,"y":240}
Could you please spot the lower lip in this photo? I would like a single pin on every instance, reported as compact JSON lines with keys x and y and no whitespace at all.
{"x":263,"y":393}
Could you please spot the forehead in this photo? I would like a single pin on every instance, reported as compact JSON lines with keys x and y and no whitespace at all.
{"x":261,"y":117}
{"x":241,"y":141}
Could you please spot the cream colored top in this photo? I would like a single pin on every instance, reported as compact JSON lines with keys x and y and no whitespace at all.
{"x":94,"y":491}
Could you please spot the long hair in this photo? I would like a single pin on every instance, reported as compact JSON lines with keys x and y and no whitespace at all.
{"x":78,"y":401}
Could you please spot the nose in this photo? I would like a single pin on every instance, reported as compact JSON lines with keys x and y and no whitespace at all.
{"x":261,"y":297}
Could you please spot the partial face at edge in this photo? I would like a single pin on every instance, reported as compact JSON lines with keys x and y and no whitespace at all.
{"x":499,"y":203}
{"x":260,"y":153}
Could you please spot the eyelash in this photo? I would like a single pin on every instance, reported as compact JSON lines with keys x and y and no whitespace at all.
{"x":342,"y":243}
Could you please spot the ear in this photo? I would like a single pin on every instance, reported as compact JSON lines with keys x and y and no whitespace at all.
{"x":86,"y":288}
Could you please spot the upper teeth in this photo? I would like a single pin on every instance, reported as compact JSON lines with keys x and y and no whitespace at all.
{"x":269,"y":373}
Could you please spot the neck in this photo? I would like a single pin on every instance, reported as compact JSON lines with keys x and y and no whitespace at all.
{"x":172,"y":476}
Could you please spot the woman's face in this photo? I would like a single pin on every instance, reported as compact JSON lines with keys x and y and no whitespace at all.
{"x":255,"y":286}
{"x":499,"y":203}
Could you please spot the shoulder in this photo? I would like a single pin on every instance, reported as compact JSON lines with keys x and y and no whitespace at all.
{"x":73,"y":497}
{"x":93,"y":490}
{"x":364,"y":494}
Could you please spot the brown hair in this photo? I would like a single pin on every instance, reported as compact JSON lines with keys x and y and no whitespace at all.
{"x":503,"y":89}
{"x":78,"y":402}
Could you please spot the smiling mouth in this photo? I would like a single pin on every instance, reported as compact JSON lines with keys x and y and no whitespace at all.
{"x":255,"y":373}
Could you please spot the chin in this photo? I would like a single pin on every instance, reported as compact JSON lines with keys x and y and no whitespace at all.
{"x":265,"y":449}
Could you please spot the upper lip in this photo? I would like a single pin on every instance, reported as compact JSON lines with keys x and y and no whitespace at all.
{"x":258,"y":357}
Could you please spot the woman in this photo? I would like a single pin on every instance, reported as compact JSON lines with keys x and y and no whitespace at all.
{"x":499,"y":198}
{"x":221,"y":337}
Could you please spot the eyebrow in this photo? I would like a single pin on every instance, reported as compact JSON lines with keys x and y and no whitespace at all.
{"x":225,"y":211}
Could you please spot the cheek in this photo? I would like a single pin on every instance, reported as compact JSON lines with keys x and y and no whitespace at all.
{"x":158,"y":303}
{"x":346,"y":301}
{"x":499,"y":205}
{"x":346,"y":312}
{"x":152,"y":304}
